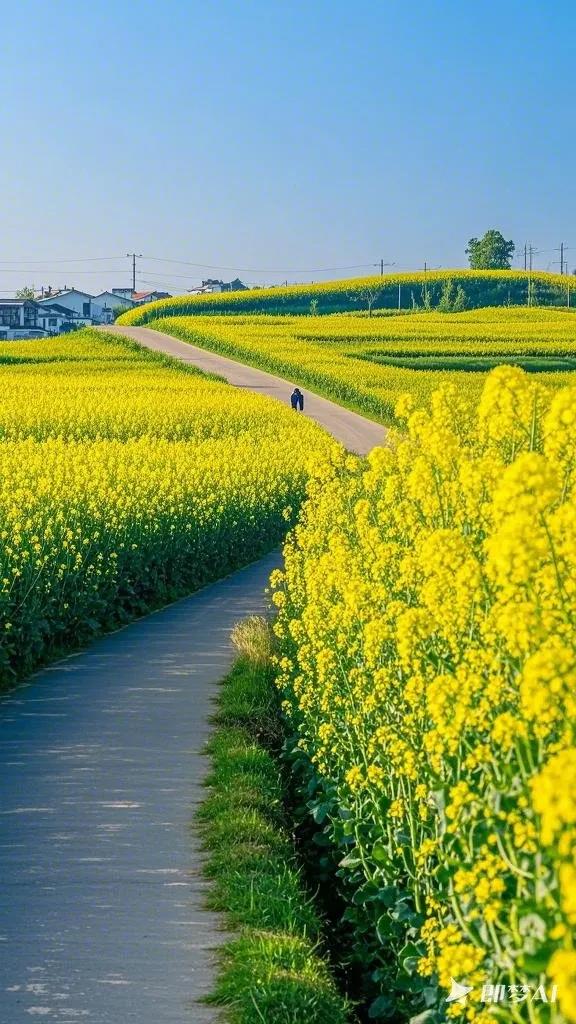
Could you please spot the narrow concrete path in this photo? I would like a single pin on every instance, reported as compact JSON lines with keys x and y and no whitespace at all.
{"x":355,"y":432}
{"x":100,"y":769}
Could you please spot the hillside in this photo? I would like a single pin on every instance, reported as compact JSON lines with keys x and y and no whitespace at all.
{"x":389,"y":292}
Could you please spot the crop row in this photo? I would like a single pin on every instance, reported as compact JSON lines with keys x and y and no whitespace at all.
{"x":348,"y":358}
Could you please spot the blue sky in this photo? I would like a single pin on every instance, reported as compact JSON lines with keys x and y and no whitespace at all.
{"x":279,"y":139}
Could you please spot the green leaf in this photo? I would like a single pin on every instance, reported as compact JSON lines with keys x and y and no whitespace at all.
{"x":384,"y":928}
{"x":409,"y":956}
{"x":320,"y":813}
{"x":383,"y":1006}
{"x":351,"y":860}
{"x":388,"y":895}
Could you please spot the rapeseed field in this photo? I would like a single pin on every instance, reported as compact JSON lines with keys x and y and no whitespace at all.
{"x":126,"y":480}
{"x":427,"y":666}
{"x":368,"y":362}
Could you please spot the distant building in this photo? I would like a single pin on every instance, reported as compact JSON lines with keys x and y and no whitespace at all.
{"x":107,"y":303}
{"x":234,"y":286}
{"x":76,"y":301}
{"x":19,"y":319}
{"x":211,"y":287}
{"x":200,"y":290}
{"x":56,"y":319}
{"x":141,"y":297}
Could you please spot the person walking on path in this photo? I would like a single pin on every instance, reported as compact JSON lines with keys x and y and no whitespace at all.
{"x":297,"y":400}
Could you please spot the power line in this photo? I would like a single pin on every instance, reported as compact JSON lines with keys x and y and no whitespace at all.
{"x":263,"y":270}
{"x":30,"y":270}
{"x":71,"y":259}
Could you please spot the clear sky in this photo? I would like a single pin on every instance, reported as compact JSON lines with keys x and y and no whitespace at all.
{"x":280,"y":139}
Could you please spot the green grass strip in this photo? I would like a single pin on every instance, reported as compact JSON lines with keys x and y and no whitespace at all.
{"x":275,"y":970}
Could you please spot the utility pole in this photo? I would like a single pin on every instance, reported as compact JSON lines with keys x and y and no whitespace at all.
{"x":561,"y":257}
{"x":134,"y":256}
{"x":525,"y":255}
{"x":381,"y":268}
{"x":531,"y":251}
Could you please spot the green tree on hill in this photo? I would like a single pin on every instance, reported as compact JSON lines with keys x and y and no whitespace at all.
{"x":452,"y":299}
{"x":491,"y":252}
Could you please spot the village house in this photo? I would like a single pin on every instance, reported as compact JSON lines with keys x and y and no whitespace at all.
{"x":27,"y":318}
{"x":211,"y":287}
{"x":78,"y":302}
{"x":57,"y":312}
{"x":141,"y":297}
{"x":108,"y":303}
{"x":56,"y":319}
{"x":19,"y":319}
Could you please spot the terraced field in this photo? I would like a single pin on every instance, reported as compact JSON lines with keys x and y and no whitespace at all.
{"x":367,"y":363}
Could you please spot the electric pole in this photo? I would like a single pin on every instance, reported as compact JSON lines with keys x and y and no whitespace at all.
{"x":133,"y":256}
{"x":561,"y":257}
{"x":531,"y":251}
{"x":525,"y":255}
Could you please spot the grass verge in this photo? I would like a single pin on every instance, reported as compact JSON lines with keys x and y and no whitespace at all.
{"x":276,"y":969}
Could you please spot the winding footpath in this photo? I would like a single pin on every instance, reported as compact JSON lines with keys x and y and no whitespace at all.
{"x":101,"y":769}
{"x":354,"y":431}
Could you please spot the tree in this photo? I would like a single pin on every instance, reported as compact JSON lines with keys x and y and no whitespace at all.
{"x":453,"y":298}
{"x":27,"y":292}
{"x":369,"y":296}
{"x":491,"y":252}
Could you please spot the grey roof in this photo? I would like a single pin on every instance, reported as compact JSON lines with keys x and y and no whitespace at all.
{"x":114,"y":295}
{"x":59,"y":295}
{"x":58,"y":309}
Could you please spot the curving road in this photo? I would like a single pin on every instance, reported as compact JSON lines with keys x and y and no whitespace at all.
{"x":101,"y":768}
{"x":354,"y":431}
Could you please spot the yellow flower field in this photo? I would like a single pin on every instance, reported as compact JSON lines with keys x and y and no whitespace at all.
{"x":428,"y":667}
{"x":368,"y":362}
{"x":127,"y":479}
{"x":388,"y":291}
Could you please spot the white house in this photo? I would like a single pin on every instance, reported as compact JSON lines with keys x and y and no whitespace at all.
{"x":56,"y":319}
{"x":108,"y":302}
{"x":19,"y":319}
{"x":73,"y":300}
